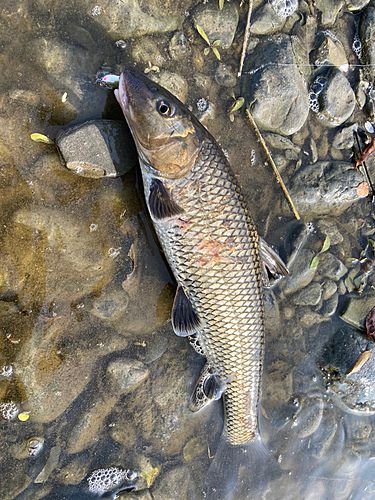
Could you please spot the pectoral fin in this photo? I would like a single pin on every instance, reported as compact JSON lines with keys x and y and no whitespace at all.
{"x":185,"y":320}
{"x":271,"y":261}
{"x":209,"y":387}
{"x":160,"y":201}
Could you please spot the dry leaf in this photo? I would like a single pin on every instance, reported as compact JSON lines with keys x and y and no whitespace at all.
{"x":41,"y":138}
{"x":203,"y":34}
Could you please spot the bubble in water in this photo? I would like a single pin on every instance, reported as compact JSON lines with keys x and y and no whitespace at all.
{"x":114,"y":252}
{"x":284,"y":8}
{"x":96,"y":10}
{"x":202,"y":104}
{"x":6,"y":371}
{"x":105,"y":480}
{"x":121,"y":44}
{"x":9,"y":411}
{"x":93,"y":227}
{"x":357,"y":46}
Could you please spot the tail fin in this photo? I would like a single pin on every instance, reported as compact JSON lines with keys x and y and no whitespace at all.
{"x":239,"y":472}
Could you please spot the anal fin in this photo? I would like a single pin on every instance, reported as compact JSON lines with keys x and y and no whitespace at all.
{"x":209,"y":387}
{"x":160,"y":201}
{"x":271,"y":261}
{"x":185,"y":320}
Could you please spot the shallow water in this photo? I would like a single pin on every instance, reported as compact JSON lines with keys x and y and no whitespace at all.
{"x":97,"y":377}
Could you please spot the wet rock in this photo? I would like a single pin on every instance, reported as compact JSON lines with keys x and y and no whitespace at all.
{"x":29,"y":448}
{"x":344,"y":139}
{"x":337,"y":100}
{"x":274,"y":87}
{"x":266,"y":21}
{"x":145,"y":50}
{"x":135,"y":18}
{"x":179,"y":46}
{"x":331,"y":52}
{"x":135,"y":495}
{"x":174,"y":483}
{"x":311,"y":318}
{"x":74,"y":472}
{"x":300,"y":273}
{"x":280,"y":142}
{"x":329,"y":288}
{"x":331,"y":267}
{"x":125,"y":375}
{"x":98,"y":148}
{"x":309,"y":296}
{"x":367,"y":35}
{"x":325,"y":188}
{"x":218,"y":24}
{"x":110,"y":305}
{"x":324,"y":437}
{"x":330,"y":306}
{"x":193,"y":449}
{"x":354,"y":5}
{"x":357,"y":309}
{"x":225,"y":76}
{"x":329,"y":10}
{"x":308,"y":417}
{"x":329,"y":228}
{"x":175,"y":83}
{"x":50,"y":465}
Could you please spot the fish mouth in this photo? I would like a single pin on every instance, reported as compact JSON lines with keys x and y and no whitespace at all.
{"x":133,"y":87}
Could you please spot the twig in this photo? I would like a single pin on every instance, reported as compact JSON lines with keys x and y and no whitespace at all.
{"x":245,"y":38}
{"x":273,"y":164}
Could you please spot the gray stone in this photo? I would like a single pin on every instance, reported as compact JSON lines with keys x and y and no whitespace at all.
{"x":357,"y":309}
{"x":331,"y":267}
{"x":146,"y":51}
{"x":225,"y":76}
{"x":331,"y":52}
{"x":326,"y":188}
{"x":98,"y":148}
{"x":175,"y":83}
{"x":354,"y":5}
{"x":274,"y":87}
{"x":344,"y":139}
{"x":125,"y":375}
{"x":309,"y":296}
{"x":179,"y":48}
{"x":73,"y":472}
{"x":311,"y":318}
{"x":308,"y":417}
{"x":265,"y":21}
{"x":329,"y":288}
{"x":218,"y":24}
{"x":300,"y":273}
{"x":330,"y":306}
{"x":329,"y":228}
{"x":135,"y":18}
{"x":336,"y":100}
{"x":329,"y":10}
{"x":367,"y":35}
{"x":174,"y":484}
{"x":110,"y":305}
{"x":280,"y":142}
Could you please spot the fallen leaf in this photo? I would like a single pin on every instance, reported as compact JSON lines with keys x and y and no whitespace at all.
{"x":362,"y":359}
{"x":203,"y":34}
{"x":314,"y":262}
{"x":326,"y":244}
{"x":41,"y":138}
{"x":362,"y":190}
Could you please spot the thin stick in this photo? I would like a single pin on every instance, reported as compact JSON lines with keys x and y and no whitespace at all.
{"x":245,"y":38}
{"x":273,"y":164}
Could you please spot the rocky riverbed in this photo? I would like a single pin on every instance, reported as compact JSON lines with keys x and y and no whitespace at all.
{"x":94,"y":385}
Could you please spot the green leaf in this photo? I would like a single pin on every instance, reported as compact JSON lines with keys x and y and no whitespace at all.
{"x":217,"y":53}
{"x":221,"y":4}
{"x":41,"y":138}
{"x":326,"y":244}
{"x":314,"y":262}
{"x":206,"y":51}
{"x":238,"y":103}
{"x":216,"y":43}
{"x":203,"y":34}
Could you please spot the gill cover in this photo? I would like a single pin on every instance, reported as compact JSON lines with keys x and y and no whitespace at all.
{"x":166,"y":134}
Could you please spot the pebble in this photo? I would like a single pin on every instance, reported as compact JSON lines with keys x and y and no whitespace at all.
{"x":325,"y":188}
{"x":124,"y":375}
{"x":367,"y":36}
{"x":329,"y":288}
{"x":194,"y":448}
{"x":98,"y":148}
{"x":331,"y":267}
{"x":331,"y":52}
{"x":175,"y":83}
{"x":329,"y":10}
{"x":357,"y":309}
{"x":309,"y":296}
{"x":329,"y":307}
{"x":110,"y":305}
{"x":309,"y":416}
{"x":225,"y":76}
{"x":323,"y":439}
{"x":274,"y":87}
{"x":344,"y":139}
{"x":266,"y":21}
{"x":145,"y":51}
{"x":174,"y":484}
{"x":300,"y":273}
{"x":218,"y":24}
{"x":73,"y":472}
{"x":179,"y":47}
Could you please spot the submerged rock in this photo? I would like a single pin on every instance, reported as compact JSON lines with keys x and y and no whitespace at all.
{"x":367,"y":34}
{"x":329,"y":10}
{"x":98,"y":148}
{"x":218,"y":24}
{"x":274,"y":87}
{"x":357,"y":309}
{"x":266,"y":21}
{"x":326,"y":188}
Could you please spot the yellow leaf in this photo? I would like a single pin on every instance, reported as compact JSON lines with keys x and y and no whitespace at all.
{"x":206,"y":51}
{"x":41,"y":138}
{"x":238,"y":103}
{"x":326,"y":244}
{"x":150,"y":475}
{"x":221,"y":4}
{"x":202,"y":33}
{"x":314,"y":262}
{"x":217,"y":53}
{"x":216,"y":43}
{"x":23,"y":416}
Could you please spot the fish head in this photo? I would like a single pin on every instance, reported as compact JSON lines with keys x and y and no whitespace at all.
{"x":166,"y":134}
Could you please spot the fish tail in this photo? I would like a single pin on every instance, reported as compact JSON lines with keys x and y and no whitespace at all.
{"x":240,"y":471}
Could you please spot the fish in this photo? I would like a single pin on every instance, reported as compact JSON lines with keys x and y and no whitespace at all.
{"x":212,"y":246}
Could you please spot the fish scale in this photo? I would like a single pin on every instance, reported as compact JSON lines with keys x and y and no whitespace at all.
{"x":223,"y":285}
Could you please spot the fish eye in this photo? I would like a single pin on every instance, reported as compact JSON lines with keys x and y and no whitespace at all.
{"x":164,"y":108}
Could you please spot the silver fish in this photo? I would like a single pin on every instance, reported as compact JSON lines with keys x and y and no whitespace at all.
{"x":211,"y":245}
